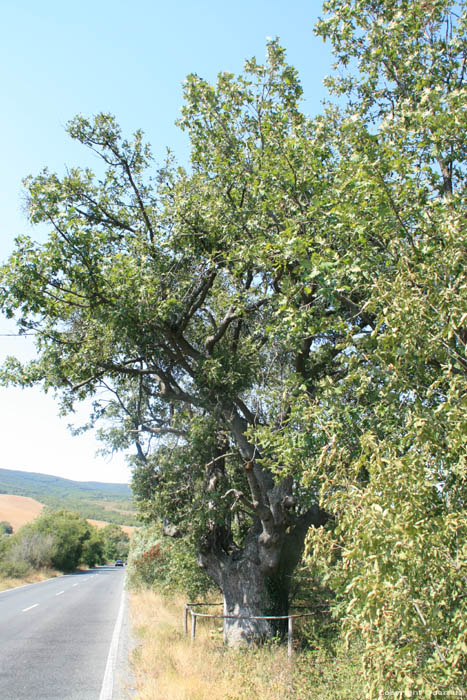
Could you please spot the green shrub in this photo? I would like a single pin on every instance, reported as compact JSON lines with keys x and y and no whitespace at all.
{"x":93,"y":549}
{"x":5,"y":528}
{"x":116,"y":542}
{"x":14,"y":569}
{"x":33,"y":548}
{"x":55,"y":538}
{"x":166,"y":564}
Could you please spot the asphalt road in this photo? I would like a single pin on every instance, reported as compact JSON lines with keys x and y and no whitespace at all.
{"x":55,"y":636}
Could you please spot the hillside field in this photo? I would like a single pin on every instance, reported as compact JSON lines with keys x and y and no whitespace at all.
{"x":129,"y":529}
{"x":19,"y":510}
{"x":92,"y":500}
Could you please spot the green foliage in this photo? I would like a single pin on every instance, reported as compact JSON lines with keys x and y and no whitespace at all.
{"x":68,"y":533}
{"x":116,"y":542}
{"x":24,"y":551}
{"x":93,"y":551}
{"x":57,"y":538}
{"x":11,"y":568}
{"x":166,"y":564}
{"x":34,"y":548}
{"x":5,"y":528}
{"x":322,"y":674}
{"x":165,"y":489}
{"x":4,"y":544}
{"x":390,"y":459}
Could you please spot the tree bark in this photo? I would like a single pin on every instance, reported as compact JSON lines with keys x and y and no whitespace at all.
{"x":251,"y":586}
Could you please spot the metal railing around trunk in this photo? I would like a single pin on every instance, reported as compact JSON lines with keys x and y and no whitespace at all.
{"x":290,"y":620}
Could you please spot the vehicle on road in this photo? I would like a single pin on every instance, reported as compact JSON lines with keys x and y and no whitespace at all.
{"x":118,"y":562}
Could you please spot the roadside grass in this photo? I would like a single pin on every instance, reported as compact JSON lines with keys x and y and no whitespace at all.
{"x":166,"y":664}
{"x":34,"y":577}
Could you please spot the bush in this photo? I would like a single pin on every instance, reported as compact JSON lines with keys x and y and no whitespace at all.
{"x":320,"y":628}
{"x":25,"y":551}
{"x":5,"y":543}
{"x":56,"y":538}
{"x":5,"y":528}
{"x":165,"y":564}
{"x":116,"y":542}
{"x":14,"y":569}
{"x":93,"y":549}
{"x":34,"y":549}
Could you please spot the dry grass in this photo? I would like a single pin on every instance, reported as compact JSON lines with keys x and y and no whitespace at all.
{"x":129,"y":529}
{"x":168,"y":667}
{"x":115,"y":506}
{"x":18,"y":510}
{"x":34,"y":577}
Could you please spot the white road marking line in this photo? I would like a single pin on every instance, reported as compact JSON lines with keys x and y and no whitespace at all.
{"x":30,"y":607}
{"x":75,"y":584}
{"x":108,"y":682}
{"x":60,"y":593}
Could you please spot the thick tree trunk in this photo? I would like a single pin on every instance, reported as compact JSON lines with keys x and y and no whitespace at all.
{"x":246,"y":595}
{"x":255,"y":578}
{"x":252,"y":587}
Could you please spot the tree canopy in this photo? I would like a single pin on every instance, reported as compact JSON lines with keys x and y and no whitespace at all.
{"x":173,"y":293}
{"x":115,"y":542}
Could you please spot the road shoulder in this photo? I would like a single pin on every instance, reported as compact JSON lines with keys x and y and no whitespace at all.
{"x":123,"y":685}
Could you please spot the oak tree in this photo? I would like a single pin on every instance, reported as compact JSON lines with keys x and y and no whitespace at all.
{"x":158,"y":296}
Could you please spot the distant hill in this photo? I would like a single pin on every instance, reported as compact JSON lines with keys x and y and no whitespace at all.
{"x":91,"y":499}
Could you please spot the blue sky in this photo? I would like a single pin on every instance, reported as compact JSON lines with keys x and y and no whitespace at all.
{"x":59,"y":59}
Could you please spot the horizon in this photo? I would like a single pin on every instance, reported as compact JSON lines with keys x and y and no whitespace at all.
{"x":65,"y":478}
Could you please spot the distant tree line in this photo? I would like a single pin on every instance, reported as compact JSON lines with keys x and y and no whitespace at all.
{"x":109,"y":502}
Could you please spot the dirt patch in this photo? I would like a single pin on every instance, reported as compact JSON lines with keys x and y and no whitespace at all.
{"x":18,"y":510}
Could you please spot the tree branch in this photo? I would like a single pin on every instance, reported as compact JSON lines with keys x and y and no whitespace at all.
{"x":240,"y":497}
{"x":228,"y":319}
